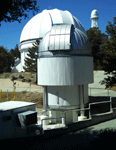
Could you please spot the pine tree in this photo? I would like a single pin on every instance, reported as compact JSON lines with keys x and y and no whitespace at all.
{"x":31,"y":60}
{"x":15,"y":10}
{"x":109,"y":60}
{"x":6,"y":60}
{"x":96,"y":38}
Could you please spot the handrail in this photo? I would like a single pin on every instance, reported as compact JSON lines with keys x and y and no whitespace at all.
{"x":100,"y":102}
{"x":92,"y":88}
{"x":98,"y":88}
{"x":52,"y":118}
{"x":64,"y":111}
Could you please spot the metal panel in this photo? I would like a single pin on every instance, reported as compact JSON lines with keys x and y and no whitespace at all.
{"x":56,"y":16}
{"x":67,"y":41}
{"x":78,"y":25}
{"x":58,"y":29}
{"x":62,"y":41}
{"x":66,"y":17}
{"x":63,"y":28}
{"x":57,"y":42}
{"x":65,"y":70}
{"x":68,"y":29}
{"x":27,"y":118}
{"x":53,"y":31}
{"x":45,"y":25}
{"x":42,"y":23}
{"x":52,"y":41}
{"x":67,"y":95}
{"x":60,"y":37}
{"x":65,"y":37}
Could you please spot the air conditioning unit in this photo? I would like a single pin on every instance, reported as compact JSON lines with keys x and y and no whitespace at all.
{"x":27,"y":118}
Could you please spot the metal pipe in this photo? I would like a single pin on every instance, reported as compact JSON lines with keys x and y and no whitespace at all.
{"x":100,"y":102}
{"x":82,"y":99}
{"x":45,"y":100}
{"x":111,"y":104}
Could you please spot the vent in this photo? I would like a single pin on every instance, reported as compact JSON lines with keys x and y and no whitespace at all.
{"x":27,"y":118}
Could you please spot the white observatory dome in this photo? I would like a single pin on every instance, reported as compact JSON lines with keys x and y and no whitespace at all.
{"x":40,"y":24}
{"x":64,"y":40}
{"x":94,"y":14}
{"x":70,"y":35}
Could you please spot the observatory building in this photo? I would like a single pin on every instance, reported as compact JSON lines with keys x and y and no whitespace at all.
{"x":94,"y":18}
{"x":65,"y":63}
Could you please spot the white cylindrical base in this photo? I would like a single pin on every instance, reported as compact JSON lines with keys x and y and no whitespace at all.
{"x":44,"y":122}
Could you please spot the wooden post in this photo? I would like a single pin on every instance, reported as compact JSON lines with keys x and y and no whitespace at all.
{"x":14,"y":95}
{"x":0,"y":93}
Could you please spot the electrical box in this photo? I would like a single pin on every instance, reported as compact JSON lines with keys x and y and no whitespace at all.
{"x":27,"y":118}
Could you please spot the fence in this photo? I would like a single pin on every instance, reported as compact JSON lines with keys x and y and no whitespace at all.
{"x":101,"y":92}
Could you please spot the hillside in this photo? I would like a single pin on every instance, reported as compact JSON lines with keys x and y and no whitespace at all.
{"x":23,"y":91}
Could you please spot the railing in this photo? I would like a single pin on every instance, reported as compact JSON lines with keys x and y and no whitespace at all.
{"x":76,"y":110}
{"x":101,"y":92}
{"x":63,"y":121}
{"x":63,"y":117}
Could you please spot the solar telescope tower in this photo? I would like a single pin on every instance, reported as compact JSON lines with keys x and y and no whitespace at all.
{"x":94,"y":18}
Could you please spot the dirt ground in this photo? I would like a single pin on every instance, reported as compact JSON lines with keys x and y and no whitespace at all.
{"x":35,"y":97}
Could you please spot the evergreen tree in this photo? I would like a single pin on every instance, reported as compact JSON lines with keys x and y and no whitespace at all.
{"x":109,"y":49}
{"x":15,"y":52}
{"x":14,"y":10}
{"x":96,"y":38}
{"x":6,"y":60}
{"x":31,"y":59}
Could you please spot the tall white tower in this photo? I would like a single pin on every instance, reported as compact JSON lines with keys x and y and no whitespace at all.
{"x":94,"y":18}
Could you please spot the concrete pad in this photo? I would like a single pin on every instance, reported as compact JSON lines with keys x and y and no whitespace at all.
{"x":96,"y":89}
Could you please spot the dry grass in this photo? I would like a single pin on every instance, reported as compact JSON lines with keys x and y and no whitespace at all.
{"x":27,"y":76}
{"x":34,"y":97}
{"x":113,"y":88}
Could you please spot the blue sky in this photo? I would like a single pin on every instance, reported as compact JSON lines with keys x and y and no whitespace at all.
{"x":81,"y":9}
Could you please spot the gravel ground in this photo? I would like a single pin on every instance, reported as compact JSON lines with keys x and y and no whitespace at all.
{"x":7,"y":84}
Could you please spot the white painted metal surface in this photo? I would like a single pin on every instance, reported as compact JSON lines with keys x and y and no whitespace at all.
{"x":63,"y":96}
{"x":40,"y":24}
{"x":67,"y":96}
{"x":4,"y":106}
{"x":58,"y":34}
{"x":65,"y":70}
{"x":64,"y":37}
{"x":94,"y":14}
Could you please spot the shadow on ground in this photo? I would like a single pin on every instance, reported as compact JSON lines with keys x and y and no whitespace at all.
{"x":86,"y":139}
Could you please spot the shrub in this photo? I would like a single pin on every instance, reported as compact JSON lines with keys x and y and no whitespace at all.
{"x":13,"y":78}
{"x":21,"y":76}
{"x":23,"y":80}
{"x":29,"y":80}
{"x":7,"y":75}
